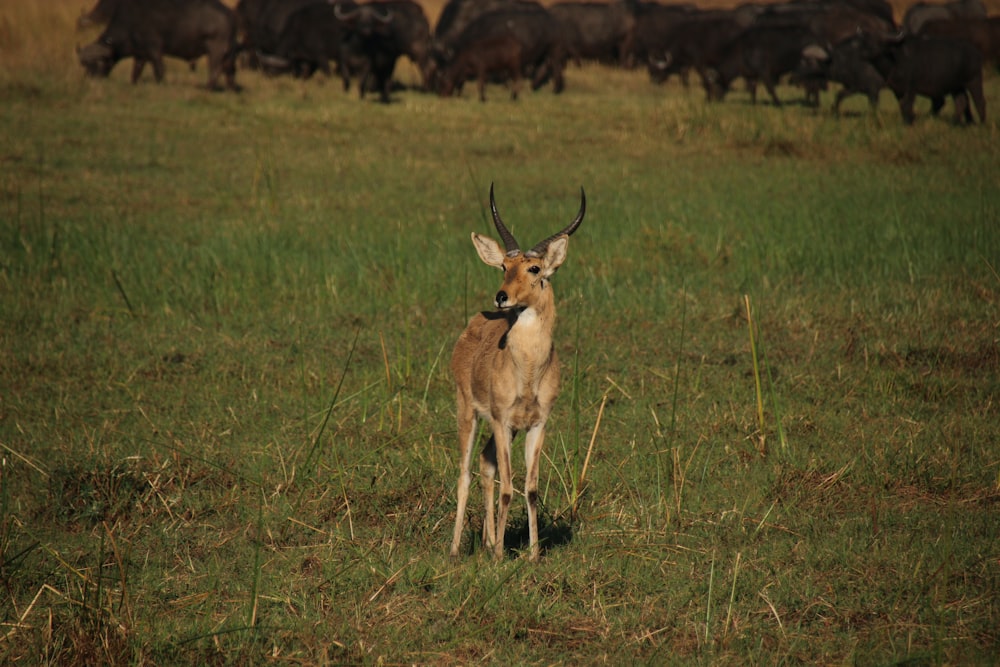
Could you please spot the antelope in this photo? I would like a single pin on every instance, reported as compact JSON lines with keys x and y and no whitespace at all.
{"x":506,"y":370}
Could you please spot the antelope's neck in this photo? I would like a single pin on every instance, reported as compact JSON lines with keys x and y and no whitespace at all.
{"x":530,"y":337}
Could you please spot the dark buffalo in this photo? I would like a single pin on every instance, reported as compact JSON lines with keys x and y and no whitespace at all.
{"x":541,"y":52}
{"x":362,"y":40}
{"x":657,"y":29}
{"x":847,"y":63}
{"x":698,"y":42}
{"x":923,"y":12}
{"x":498,"y":58}
{"x":262,"y":23}
{"x":378,"y":34}
{"x":984,"y":33}
{"x":933,"y":67}
{"x":456,"y":15}
{"x":763,"y":54}
{"x":411,"y":34}
{"x":830,"y":20}
{"x":599,"y":31}
{"x":148,"y":30}
{"x":842,"y":21}
{"x":312,"y":37}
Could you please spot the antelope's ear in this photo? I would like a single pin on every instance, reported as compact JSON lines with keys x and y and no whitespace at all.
{"x":489,"y":250}
{"x":555,"y":255}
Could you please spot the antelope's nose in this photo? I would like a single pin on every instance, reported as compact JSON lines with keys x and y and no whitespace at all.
{"x":501,"y":298}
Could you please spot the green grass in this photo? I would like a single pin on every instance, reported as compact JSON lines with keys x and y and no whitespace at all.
{"x":227,"y":426}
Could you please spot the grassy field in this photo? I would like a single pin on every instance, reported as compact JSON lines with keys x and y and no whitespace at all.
{"x":227,"y":427}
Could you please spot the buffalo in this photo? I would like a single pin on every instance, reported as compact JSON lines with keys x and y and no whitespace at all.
{"x":983,"y":33}
{"x":310,"y":39}
{"x":599,"y":31}
{"x":262,"y":22}
{"x":496,"y":58}
{"x":148,"y":30}
{"x":935,"y":67}
{"x":541,"y":52}
{"x":378,"y":34}
{"x":910,"y":65}
{"x":456,"y":15}
{"x":762,"y":53}
{"x":697,"y":42}
{"x":923,"y":12}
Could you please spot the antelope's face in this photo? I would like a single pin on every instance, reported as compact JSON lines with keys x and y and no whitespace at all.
{"x":522,"y":280}
{"x":525,"y":275}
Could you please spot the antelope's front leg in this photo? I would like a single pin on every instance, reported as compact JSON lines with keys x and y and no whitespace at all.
{"x":466,"y":439}
{"x":532,"y":455}
{"x":502,"y":437}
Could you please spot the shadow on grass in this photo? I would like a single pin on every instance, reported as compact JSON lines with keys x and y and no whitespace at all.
{"x":552,"y":533}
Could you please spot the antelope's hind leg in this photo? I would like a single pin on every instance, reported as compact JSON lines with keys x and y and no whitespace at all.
{"x":506,"y":485}
{"x":487,"y":474}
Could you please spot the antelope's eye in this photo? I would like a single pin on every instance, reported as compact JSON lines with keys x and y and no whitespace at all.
{"x":534,"y":269}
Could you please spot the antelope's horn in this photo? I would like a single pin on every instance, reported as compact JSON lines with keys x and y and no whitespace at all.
{"x":509,"y":242}
{"x":540,"y":247}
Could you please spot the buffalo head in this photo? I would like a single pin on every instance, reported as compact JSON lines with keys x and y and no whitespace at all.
{"x":367,"y":20}
{"x":97,"y":58}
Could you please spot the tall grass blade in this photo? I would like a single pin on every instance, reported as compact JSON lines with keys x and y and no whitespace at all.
{"x":578,"y":492}
{"x":430,"y":373}
{"x":122,"y":292}
{"x":732,"y":593}
{"x":256,"y":572}
{"x":677,"y":360}
{"x":758,"y":392}
{"x":307,"y":465}
{"x":708,"y":601}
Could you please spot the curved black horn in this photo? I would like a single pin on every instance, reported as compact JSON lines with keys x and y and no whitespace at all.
{"x":541,"y":246}
{"x":509,"y":242}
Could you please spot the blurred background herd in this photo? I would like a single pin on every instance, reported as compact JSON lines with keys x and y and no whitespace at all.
{"x":935,"y":50}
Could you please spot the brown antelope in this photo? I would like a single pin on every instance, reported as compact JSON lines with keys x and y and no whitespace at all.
{"x":506,"y":370}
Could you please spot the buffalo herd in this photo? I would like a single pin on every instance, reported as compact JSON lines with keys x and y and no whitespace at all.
{"x":938,"y":50}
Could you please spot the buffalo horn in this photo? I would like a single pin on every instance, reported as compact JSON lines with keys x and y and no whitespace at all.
{"x":540,"y":247}
{"x":342,"y":15}
{"x":509,"y":242}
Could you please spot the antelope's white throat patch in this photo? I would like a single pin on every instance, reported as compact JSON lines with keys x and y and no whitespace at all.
{"x":528,"y":319}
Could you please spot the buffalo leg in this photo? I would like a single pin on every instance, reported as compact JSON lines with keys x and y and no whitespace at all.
{"x":769,"y":84}
{"x":158,"y":69}
{"x":873,"y":101}
{"x":976,"y":90}
{"x":558,"y":83}
{"x":963,"y":114}
{"x":937,"y":103}
{"x":214,"y":70}
{"x":137,"y":66}
{"x":906,"y":107}
{"x":482,"y":83}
